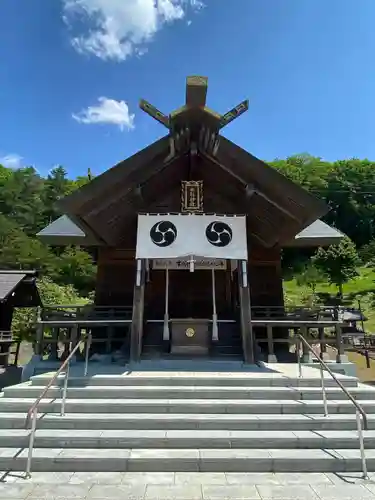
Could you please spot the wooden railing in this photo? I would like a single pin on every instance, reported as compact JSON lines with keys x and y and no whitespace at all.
{"x":295,"y":312}
{"x":6,"y":336}
{"x":6,"y":340}
{"x":60,"y":326}
{"x":84,"y":312}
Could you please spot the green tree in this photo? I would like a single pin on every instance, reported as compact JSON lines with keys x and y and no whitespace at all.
{"x":76,"y":266}
{"x":56,"y":186}
{"x":24,"y":319}
{"x":19,"y":251}
{"x":310,"y":276}
{"x":21,"y":199}
{"x":367,"y":254}
{"x":338,"y":262}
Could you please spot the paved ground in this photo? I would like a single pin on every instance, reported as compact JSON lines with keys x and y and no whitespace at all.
{"x":185,"y":486}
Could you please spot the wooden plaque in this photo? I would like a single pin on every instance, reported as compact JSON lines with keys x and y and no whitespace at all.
{"x":192,"y":196}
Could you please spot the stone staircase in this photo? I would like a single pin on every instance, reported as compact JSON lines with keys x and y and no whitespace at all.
{"x":181,"y":422}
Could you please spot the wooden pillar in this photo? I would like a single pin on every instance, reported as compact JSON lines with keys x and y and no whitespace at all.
{"x":110,"y":336}
{"x":307,"y":358}
{"x":271,"y":347}
{"x":228,"y":287}
{"x":74,"y":336}
{"x":323,"y":345}
{"x":245,"y":313}
{"x":136,"y":331}
{"x":339,"y":345}
{"x":55,"y":344}
{"x":39,"y":339}
{"x":17,"y":353}
{"x":74,"y":339}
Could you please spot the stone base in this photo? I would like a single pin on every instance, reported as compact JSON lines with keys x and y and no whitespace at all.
{"x":348,"y":368}
{"x":272,"y":358}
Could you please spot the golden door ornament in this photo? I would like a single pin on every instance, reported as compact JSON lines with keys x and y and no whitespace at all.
{"x":192,"y":196}
{"x":190,"y":332}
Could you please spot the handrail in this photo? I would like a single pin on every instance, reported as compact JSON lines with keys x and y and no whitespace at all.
{"x":33,"y":411}
{"x":359,"y":409}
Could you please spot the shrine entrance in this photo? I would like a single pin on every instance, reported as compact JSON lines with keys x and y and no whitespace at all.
{"x":190,"y":293}
{"x":196,"y":308}
{"x":202,"y":304}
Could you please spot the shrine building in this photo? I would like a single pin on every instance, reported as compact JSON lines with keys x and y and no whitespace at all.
{"x":187,"y":235}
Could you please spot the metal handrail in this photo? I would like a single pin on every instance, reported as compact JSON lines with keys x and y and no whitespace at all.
{"x":32,"y":414}
{"x":359,"y":410}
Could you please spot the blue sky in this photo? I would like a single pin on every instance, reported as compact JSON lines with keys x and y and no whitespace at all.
{"x":307,"y":66}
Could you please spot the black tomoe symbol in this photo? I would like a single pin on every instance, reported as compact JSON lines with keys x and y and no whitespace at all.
{"x":219,"y":234}
{"x":163,"y":233}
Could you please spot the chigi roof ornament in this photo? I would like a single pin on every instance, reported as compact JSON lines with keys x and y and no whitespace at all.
{"x":194,"y":123}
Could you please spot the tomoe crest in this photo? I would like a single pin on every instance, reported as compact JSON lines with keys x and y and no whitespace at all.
{"x":219,"y":234}
{"x":163,"y":233}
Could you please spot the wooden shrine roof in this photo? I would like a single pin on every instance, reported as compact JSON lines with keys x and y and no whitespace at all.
{"x":18,"y":288}
{"x":261,"y":192}
{"x":276,"y":208}
{"x":317,"y":234}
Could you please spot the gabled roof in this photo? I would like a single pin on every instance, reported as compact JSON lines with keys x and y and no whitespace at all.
{"x":8,"y":282}
{"x":62,"y":226}
{"x":63,"y":232}
{"x":317,"y":234}
{"x":277,"y":209}
{"x":19,"y":288}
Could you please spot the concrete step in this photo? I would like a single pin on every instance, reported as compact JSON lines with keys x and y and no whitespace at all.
{"x":175,"y":439}
{"x":186,"y":460}
{"x":27,"y":390}
{"x":214,"y":379}
{"x":253,"y":406}
{"x":178,"y":421}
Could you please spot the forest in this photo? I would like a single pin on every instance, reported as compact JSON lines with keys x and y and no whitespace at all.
{"x":28,"y":203}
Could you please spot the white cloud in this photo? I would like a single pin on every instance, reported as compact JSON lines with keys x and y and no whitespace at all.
{"x":107,"y":111}
{"x":117,"y":29}
{"x":13,"y":161}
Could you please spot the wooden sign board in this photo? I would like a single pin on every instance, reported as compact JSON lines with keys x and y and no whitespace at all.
{"x":184,"y":264}
{"x":192,"y":196}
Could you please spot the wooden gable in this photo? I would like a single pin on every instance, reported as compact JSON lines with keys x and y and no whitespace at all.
{"x":234,"y":180}
{"x":276,"y":208}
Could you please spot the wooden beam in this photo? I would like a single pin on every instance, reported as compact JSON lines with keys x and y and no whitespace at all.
{"x":154,"y":113}
{"x":297,"y":323}
{"x":271,"y":182}
{"x":196,"y":91}
{"x":112,"y":220}
{"x":278,"y":206}
{"x":86,"y":198}
{"x":245,"y":318}
{"x":148,"y":172}
{"x":136,"y":331}
{"x":246,"y":184}
{"x":223,"y":167}
{"x":234,"y":113}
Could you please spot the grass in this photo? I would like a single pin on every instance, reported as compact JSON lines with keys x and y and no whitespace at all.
{"x":361,"y":288}
{"x":365,"y":375}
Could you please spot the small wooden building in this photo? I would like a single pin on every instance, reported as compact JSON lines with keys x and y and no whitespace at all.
{"x":17,"y":289}
{"x":193,"y":169}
